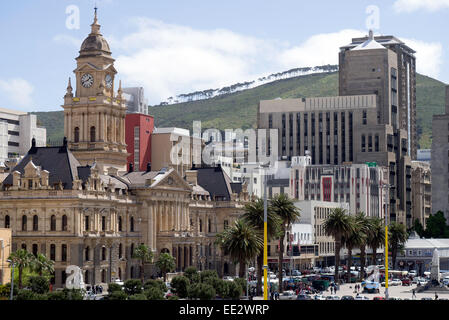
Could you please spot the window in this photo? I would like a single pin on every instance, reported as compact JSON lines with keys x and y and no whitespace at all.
{"x":226,"y":224}
{"x":363,"y":143}
{"x":201,"y":225}
{"x":364,"y":120}
{"x":209,"y":226}
{"x":137,"y":147}
{"x":24,"y":246}
{"x":64,"y":223}
{"x":103,"y":223}
{"x":77,"y":135}
{"x":35,"y":249}
{"x":120,"y":251}
{"x":64,"y":252}
{"x":376,"y":143}
{"x":270,"y":121}
{"x":131,"y":224}
{"x":53,"y":223}
{"x":86,"y":223}
{"x":30,"y":184}
{"x":35,"y":223}
{"x":103,"y":276}
{"x":63,"y":276}
{"x":370,"y":143}
{"x":103,"y":253}
{"x":53,"y":252}
{"x":92,"y":134}
{"x":13,"y":144}
{"x":120,"y":224}
{"x":86,"y":254}
{"x":132,"y":249}
{"x":7,"y":222}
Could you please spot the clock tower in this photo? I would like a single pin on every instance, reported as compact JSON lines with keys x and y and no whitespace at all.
{"x":94,"y":116}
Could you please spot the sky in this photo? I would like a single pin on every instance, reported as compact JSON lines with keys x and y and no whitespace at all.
{"x":173,"y":47}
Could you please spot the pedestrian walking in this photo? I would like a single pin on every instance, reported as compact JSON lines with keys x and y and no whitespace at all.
{"x":413,"y":294}
{"x":436,"y":296}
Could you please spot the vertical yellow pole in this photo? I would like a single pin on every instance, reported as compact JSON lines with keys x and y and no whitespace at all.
{"x":265,"y":261}
{"x":386,"y":261}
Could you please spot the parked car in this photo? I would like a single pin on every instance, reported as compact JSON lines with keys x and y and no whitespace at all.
{"x":347,"y":298}
{"x":287,"y":295}
{"x":319,"y":297}
{"x":394,"y":298}
{"x":303,"y":297}
{"x":360,"y":297}
{"x":406,"y":282}
{"x":422,"y":282}
{"x":395,"y":282}
{"x":379,"y":298}
{"x":412,"y":273}
{"x":426,"y":298}
{"x":335,"y":298}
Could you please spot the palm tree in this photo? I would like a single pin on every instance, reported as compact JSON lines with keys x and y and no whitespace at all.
{"x":144,"y":254}
{"x":41,"y":264}
{"x":288,"y":213}
{"x":21,"y":259}
{"x":242,"y":243}
{"x":397,"y":237}
{"x":165,"y":263}
{"x":337,"y":225}
{"x":376,"y":236}
{"x":353,"y":239}
{"x":254,"y":214}
{"x":364,"y":225}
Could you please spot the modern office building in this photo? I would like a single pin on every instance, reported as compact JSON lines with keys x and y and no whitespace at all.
{"x":135,"y":100}
{"x":373,"y":119}
{"x":16,"y":131}
{"x":421,"y":191}
{"x":440,"y":161}
{"x":138,"y":130}
{"x":358,"y":185}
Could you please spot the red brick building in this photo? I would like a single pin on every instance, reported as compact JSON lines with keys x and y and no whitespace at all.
{"x":139,"y":128}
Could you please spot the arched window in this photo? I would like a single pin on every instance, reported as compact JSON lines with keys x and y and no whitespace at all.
{"x":35,"y":249}
{"x":86,"y":223}
{"x":64,"y":223}
{"x":64,"y":252}
{"x":53,"y":223}
{"x":53,"y":252}
{"x":120,"y":227}
{"x":77,"y":135}
{"x":35,"y":223}
{"x":86,"y":254}
{"x":120,"y":251}
{"x":131,"y":224}
{"x":7,"y":222}
{"x":24,"y":223}
{"x":103,"y":253}
{"x":92,"y":134}
{"x":24,"y":246}
{"x":103,"y":223}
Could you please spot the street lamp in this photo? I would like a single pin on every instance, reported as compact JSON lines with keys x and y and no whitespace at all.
{"x":265,"y":234}
{"x":386,"y":187}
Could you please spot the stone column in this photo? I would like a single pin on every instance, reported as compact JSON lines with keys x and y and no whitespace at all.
{"x":97,"y":131}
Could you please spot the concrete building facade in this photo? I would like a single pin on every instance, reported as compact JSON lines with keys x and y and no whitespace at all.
{"x":5,"y":251}
{"x":422,"y":191}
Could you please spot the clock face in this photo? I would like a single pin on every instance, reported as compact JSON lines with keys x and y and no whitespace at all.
{"x":87,"y":80}
{"x":108,"y":80}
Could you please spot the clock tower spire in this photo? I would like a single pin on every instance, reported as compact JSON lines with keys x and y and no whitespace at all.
{"x":94,"y":117}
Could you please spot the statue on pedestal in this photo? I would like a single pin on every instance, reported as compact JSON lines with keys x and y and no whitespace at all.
{"x":435,"y":267}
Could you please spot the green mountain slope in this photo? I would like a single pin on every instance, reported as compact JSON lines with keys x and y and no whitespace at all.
{"x":239,"y":110}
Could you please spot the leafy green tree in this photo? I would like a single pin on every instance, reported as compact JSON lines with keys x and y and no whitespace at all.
{"x":376,"y":236}
{"x":202,"y":291}
{"x":397,"y":237}
{"x":288,"y":213}
{"x":234,"y":290}
{"x":222,"y":288}
{"x":39,"y":284}
{"x":155,"y":284}
{"x":192,"y":274}
{"x":242,"y":243}
{"x":25,"y":294}
{"x":436,"y":226}
{"x":114,"y":287}
{"x":144,"y":255}
{"x":154,"y":293}
{"x":355,"y":238}
{"x":42,"y":265}
{"x":208,"y":274}
{"x":166,"y":263}
{"x":180,"y":286}
{"x":254,"y":216}
{"x":139,"y":296}
{"x":132,"y":286}
{"x":337,"y":225}
{"x":418,"y":228}
{"x":118,"y":295}
{"x":21,"y":259}
{"x":241,"y":282}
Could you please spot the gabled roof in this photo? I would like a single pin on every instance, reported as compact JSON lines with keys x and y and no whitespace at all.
{"x":216,"y":182}
{"x":58,"y":161}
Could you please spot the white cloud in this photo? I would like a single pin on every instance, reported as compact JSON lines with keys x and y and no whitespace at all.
{"x":18,"y":91}
{"x":169,"y":60}
{"x":414,"y":5}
